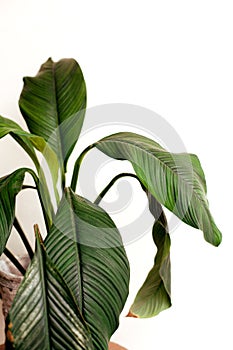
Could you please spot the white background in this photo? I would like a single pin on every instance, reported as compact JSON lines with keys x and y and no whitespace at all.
{"x":176,"y":58}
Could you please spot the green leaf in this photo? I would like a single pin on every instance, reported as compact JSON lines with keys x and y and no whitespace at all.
{"x":44,"y":314}
{"x":155,"y":294}
{"x":8,"y":126}
{"x":28,"y":142}
{"x":53,"y":105}
{"x":176,"y":180}
{"x":10,"y":186}
{"x":86,"y":247}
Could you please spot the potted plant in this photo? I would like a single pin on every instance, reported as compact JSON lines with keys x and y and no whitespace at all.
{"x":76,"y":285}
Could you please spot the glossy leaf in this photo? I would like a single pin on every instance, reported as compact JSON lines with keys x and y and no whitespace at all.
{"x":86,"y":247}
{"x":53,"y":105}
{"x":10,"y":186}
{"x":44,"y":314}
{"x":155,"y":294}
{"x":175,"y":180}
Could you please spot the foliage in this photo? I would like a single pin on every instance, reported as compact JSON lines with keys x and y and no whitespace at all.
{"x":77,"y":283}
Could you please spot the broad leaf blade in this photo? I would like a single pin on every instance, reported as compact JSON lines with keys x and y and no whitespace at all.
{"x":86,"y":247}
{"x":175,"y":180}
{"x":155,"y":294}
{"x":44,"y":314}
{"x":53,"y":105}
{"x":10,"y":186}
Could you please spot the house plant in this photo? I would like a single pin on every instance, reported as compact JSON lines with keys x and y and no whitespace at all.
{"x":77,"y":283}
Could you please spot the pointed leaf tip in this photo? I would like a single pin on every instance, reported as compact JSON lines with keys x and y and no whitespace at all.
{"x":38,"y":234}
{"x":131,"y":314}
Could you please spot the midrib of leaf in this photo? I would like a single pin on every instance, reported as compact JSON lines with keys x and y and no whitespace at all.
{"x":57,"y":114}
{"x":164,"y":164}
{"x":78,"y":254}
{"x":42,"y":272}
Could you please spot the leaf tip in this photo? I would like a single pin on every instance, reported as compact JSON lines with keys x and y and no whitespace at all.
{"x":218,"y":241}
{"x":216,"y":237}
{"x":131,"y":314}
{"x":38,"y":236}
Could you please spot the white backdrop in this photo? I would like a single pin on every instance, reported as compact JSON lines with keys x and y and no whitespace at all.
{"x":175,"y":58}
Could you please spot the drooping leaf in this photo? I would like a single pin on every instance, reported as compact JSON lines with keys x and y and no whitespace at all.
{"x":155,"y":294}
{"x":44,"y":314}
{"x":175,"y":180}
{"x":29,"y":143}
{"x":8,"y":126}
{"x":87,"y":249}
{"x":10,"y":186}
{"x":53,"y":105}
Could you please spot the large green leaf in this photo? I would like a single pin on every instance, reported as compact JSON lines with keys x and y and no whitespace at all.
{"x":53,"y":105}
{"x":44,"y":315}
{"x":87,"y":249}
{"x":155,"y":294}
{"x":175,"y":180}
{"x":10,"y":186}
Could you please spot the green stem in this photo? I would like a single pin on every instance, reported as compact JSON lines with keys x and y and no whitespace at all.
{"x":14,"y":261}
{"x":77,"y":167}
{"x":23,"y":237}
{"x":111,"y":183}
{"x":37,"y":183}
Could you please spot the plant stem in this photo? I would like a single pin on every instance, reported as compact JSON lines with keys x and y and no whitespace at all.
{"x":45,"y":214}
{"x":77,"y":167}
{"x":23,"y":237}
{"x":14,"y":261}
{"x":25,"y":187}
{"x":111,"y":183}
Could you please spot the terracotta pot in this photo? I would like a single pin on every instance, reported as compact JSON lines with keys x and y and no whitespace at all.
{"x":10,"y":279}
{"x":113,"y":346}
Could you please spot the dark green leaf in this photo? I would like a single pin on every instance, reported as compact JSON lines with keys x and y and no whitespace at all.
{"x":175,"y":180}
{"x":28,"y":141}
{"x":8,"y":126}
{"x":86,"y":247}
{"x":155,"y":294}
{"x":53,"y":105}
{"x":44,"y":314}
{"x":10,"y":186}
